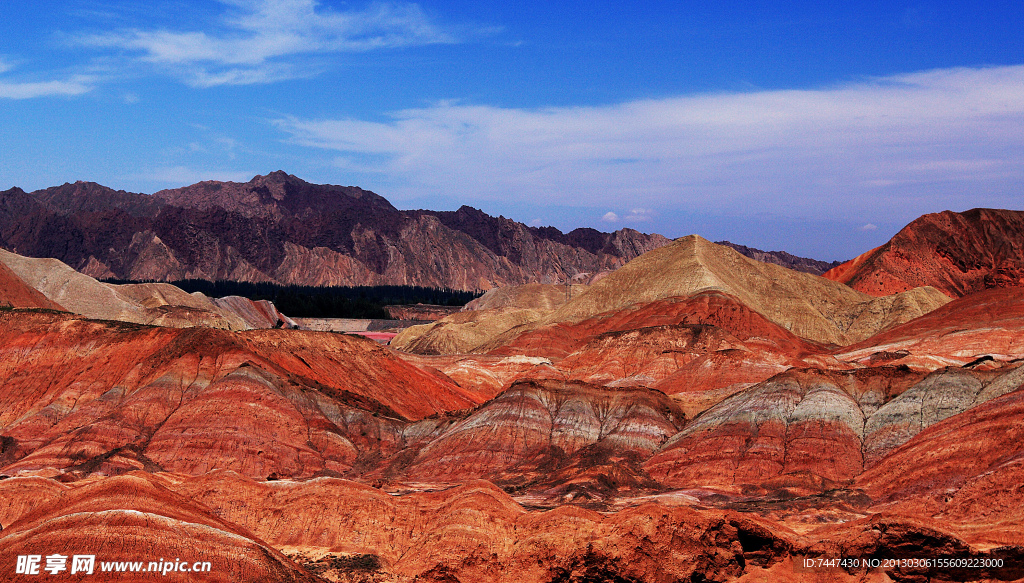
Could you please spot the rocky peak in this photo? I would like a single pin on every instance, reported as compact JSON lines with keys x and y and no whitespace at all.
{"x":273,"y":196}
{"x":90,"y":197}
{"x":957,"y":253}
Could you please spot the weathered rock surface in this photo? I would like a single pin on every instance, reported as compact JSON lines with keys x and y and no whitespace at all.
{"x":536,"y":426}
{"x":823,"y":429}
{"x":809,"y":306}
{"x":462,"y":332}
{"x":956,"y":253}
{"x":424,"y":312}
{"x":531,"y":296}
{"x":474,"y":532}
{"x":795,"y":423}
{"x":986,"y":325}
{"x":134,"y":519}
{"x":83,"y":397}
{"x":280,"y":228}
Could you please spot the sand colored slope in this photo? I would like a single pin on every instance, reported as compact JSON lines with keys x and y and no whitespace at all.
{"x":160,"y":304}
{"x":15,"y":293}
{"x":531,"y":296}
{"x":463,"y":332}
{"x":956,"y":253}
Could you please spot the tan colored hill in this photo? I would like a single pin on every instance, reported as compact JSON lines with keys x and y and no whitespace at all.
{"x":531,"y":296}
{"x":462,"y":332}
{"x":807,"y":305}
{"x":15,"y":293}
{"x":160,"y":304}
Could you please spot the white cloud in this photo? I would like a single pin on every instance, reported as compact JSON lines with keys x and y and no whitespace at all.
{"x":538,"y":222}
{"x":950,"y":135}
{"x":638,"y":215}
{"x":610,"y":217}
{"x":259,"y":41}
{"x":75,"y":85}
{"x":69,"y":86}
{"x":869,"y":227}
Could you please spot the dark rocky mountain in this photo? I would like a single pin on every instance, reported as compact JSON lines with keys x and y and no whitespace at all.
{"x":282,"y":229}
{"x":784,"y":259}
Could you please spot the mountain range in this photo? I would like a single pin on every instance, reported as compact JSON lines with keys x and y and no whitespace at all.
{"x":278,"y":228}
{"x":692,"y":415}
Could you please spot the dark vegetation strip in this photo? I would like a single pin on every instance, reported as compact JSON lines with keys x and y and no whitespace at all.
{"x":306,"y":301}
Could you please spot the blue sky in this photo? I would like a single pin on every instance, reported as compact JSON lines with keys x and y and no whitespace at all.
{"x":801,"y":126}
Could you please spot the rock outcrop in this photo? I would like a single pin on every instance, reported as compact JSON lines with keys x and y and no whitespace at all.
{"x":83,"y":397}
{"x":133,"y":526}
{"x":956,"y":253}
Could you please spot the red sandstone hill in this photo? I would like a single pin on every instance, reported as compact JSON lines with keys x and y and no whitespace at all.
{"x":956,"y":253}
{"x":282,"y":229}
{"x":819,"y":462}
{"x":137,"y":519}
{"x":982,"y":328}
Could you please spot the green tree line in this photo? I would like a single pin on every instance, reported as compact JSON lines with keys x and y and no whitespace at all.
{"x":306,"y":301}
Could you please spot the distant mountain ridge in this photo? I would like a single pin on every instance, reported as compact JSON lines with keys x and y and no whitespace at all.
{"x":279,"y":228}
{"x":783,"y":258}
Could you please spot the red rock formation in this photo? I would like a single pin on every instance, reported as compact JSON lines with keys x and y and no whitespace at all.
{"x":133,"y":519}
{"x":712,"y":308}
{"x":807,"y":305}
{"x":983,"y":325}
{"x":956,"y":253}
{"x":83,"y":397}
{"x":965,"y":469}
{"x":536,"y":426}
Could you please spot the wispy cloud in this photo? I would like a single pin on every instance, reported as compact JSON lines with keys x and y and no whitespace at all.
{"x":29,"y":89}
{"x":959,"y":133}
{"x":639,"y":215}
{"x":260,"y":41}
